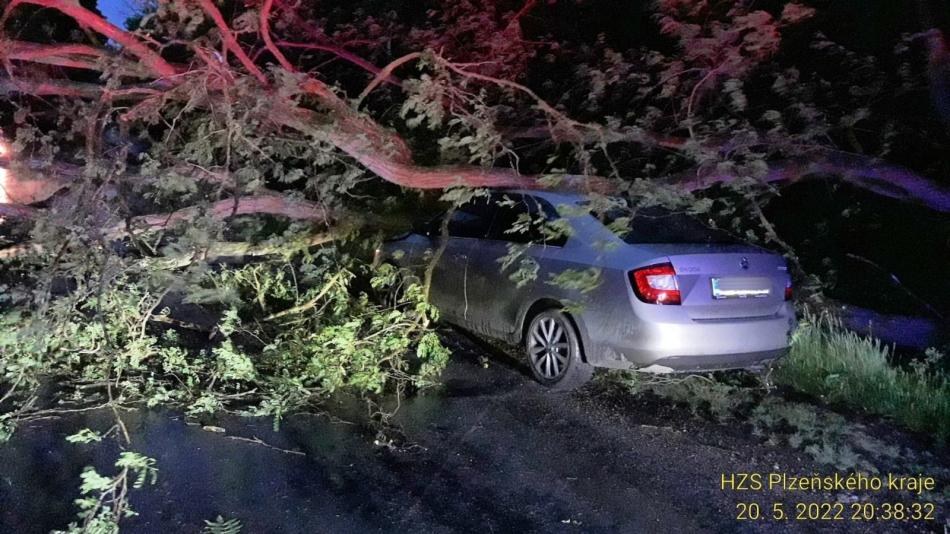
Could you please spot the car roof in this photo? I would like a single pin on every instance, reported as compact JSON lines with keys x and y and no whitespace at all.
{"x":553,"y":196}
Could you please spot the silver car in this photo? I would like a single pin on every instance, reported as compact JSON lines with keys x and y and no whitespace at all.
{"x":658,"y":292}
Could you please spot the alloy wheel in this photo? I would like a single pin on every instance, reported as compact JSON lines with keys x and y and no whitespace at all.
{"x":549,"y":347}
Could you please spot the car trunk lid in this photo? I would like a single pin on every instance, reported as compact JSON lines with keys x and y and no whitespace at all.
{"x":729,"y":285}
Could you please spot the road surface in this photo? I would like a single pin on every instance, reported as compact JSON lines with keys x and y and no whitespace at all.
{"x":491,"y":452}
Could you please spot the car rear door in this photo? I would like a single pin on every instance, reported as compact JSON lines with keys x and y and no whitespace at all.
{"x":467,"y":227}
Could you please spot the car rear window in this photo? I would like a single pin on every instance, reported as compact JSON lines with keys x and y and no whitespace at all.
{"x":657,"y":225}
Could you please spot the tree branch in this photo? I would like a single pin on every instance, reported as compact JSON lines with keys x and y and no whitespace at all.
{"x":86,"y":18}
{"x":213,"y":252}
{"x":77,"y":56}
{"x":528,"y":6}
{"x":385,"y":74}
{"x":871,"y":174}
{"x":223,"y":209}
{"x":386,"y":153}
{"x":358,"y":132}
{"x":50,"y":87}
{"x":342,"y":54}
{"x":559,"y":117}
{"x":268,"y":42}
{"x":219,"y":250}
{"x":230,"y":41}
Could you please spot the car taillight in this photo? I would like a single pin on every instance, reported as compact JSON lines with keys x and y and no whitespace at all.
{"x":788,"y":289}
{"x":656,"y":284}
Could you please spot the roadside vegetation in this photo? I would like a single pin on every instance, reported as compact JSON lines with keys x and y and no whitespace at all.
{"x":843,"y":373}
{"x":860,"y":373}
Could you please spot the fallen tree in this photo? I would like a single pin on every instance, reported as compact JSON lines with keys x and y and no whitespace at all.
{"x":143,"y":160}
{"x":156,"y":84}
{"x":239,"y":119}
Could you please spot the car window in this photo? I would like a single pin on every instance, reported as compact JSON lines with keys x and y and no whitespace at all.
{"x":521,"y":219}
{"x":512,"y":218}
{"x":655,"y":225}
{"x":472,"y":219}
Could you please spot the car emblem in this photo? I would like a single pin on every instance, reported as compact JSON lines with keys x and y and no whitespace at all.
{"x":744,"y":263}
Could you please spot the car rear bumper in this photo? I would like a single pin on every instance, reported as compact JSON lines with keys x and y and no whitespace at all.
{"x":695,"y":345}
{"x":714,"y":362}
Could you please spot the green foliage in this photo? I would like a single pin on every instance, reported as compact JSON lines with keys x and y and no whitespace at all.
{"x":104,"y":500}
{"x":84,"y":436}
{"x":288,"y":332}
{"x":827,"y":437}
{"x":321,"y":338}
{"x":843,"y":367}
{"x":521,"y":268}
{"x":299,"y":326}
{"x":7,"y":427}
{"x":722,"y":398}
{"x":142,"y":467}
{"x":840,"y":367}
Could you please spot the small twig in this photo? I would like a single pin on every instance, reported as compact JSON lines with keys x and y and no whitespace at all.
{"x":385,"y":75}
{"x":692,"y":96}
{"x":13,"y":387}
{"x":343,"y":54}
{"x":151,"y":310}
{"x":258,"y":441}
{"x":335,"y":279}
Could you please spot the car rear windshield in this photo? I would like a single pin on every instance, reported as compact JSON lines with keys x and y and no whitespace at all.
{"x":657,"y":225}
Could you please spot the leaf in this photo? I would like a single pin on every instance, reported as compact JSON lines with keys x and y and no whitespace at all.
{"x":222,"y":526}
{"x":84,"y":436}
{"x":93,"y":481}
{"x":142,"y":466}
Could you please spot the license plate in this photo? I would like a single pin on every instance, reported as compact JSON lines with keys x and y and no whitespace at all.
{"x":740,"y":288}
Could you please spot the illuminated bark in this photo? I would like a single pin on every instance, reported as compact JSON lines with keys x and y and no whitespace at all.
{"x":381,"y":150}
{"x":88,"y":19}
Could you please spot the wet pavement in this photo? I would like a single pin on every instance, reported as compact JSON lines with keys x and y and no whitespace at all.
{"x":491,"y":452}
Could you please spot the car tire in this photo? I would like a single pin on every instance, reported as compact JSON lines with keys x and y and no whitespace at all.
{"x":554,"y":353}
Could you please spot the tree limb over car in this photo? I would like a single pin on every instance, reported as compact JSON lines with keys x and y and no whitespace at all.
{"x":142,"y":83}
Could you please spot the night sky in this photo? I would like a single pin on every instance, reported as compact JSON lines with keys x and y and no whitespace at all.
{"x":118,"y":10}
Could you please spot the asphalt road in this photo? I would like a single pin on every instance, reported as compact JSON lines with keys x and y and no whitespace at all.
{"x":492,"y":452}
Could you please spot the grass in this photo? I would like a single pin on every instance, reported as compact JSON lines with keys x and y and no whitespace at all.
{"x":845,"y":368}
